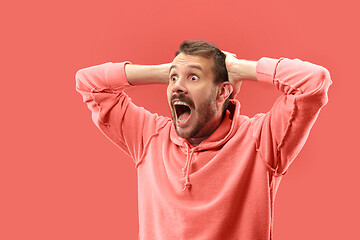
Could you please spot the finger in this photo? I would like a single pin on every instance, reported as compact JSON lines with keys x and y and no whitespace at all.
{"x":229,"y":53}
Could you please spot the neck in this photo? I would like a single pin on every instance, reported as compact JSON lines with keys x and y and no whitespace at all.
{"x":216,"y":123}
{"x":197,"y":141}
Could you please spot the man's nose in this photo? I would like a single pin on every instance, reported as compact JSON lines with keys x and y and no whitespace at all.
{"x":179,"y":85}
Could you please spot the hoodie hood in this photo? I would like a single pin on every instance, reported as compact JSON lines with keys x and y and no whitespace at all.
{"x":219,"y":137}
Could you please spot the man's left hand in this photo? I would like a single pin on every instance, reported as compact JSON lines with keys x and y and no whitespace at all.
{"x":239,"y":70}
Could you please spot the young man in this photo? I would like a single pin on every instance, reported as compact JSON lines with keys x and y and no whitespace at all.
{"x":208,"y":172}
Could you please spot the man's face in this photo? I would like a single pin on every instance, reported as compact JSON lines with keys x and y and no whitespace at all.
{"x":192,"y":96}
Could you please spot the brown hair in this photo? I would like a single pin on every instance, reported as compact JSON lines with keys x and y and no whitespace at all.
{"x":208,"y":50}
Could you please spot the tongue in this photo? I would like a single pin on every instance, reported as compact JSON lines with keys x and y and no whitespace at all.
{"x":184,"y":116}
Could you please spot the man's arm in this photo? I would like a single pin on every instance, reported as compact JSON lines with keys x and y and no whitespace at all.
{"x":147,"y":74}
{"x":126,"y":125}
{"x":281,"y":133}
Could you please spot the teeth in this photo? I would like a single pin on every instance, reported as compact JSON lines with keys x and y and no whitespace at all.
{"x":180,"y":103}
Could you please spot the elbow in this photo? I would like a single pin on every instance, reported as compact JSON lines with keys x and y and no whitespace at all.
{"x":321,"y":93}
{"x":319,"y":77}
{"x":80,"y":80}
{"x":78,"y":77}
{"x":324,"y":76}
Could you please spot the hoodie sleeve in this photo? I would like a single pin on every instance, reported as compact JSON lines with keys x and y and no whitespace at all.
{"x":281,"y":133}
{"x":129,"y":127}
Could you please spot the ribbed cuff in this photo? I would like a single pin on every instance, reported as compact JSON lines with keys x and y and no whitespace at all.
{"x":265,"y":69}
{"x":115,"y":75}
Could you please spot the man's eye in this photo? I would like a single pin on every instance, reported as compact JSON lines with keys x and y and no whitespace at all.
{"x":194,"y":77}
{"x":173,"y":78}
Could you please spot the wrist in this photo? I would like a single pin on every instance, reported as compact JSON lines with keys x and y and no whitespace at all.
{"x":147,"y":74}
{"x":162,"y":72}
{"x":244,"y":69}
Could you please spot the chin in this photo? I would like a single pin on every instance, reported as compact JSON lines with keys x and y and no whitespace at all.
{"x":183,"y":133}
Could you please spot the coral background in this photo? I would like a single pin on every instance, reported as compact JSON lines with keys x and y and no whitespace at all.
{"x":60,"y":178}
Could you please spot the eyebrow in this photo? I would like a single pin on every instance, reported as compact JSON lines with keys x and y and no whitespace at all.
{"x":189,"y":66}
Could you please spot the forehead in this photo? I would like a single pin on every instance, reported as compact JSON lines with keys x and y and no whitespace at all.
{"x":184,"y":60}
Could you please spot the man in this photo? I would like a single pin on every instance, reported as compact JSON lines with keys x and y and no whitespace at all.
{"x":208,"y":172}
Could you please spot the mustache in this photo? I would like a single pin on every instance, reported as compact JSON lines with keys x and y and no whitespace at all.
{"x":183,"y":98}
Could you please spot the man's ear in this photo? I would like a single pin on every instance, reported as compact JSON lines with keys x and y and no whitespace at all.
{"x":225,"y":90}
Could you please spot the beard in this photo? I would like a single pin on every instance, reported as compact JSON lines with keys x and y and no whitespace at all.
{"x":201,"y":114}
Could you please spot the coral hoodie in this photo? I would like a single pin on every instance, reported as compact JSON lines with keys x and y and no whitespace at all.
{"x":225,"y":187}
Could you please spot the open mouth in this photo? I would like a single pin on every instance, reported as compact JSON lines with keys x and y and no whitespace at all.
{"x":182,"y":111}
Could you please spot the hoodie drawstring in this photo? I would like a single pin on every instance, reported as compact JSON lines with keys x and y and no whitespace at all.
{"x":186,"y":168}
